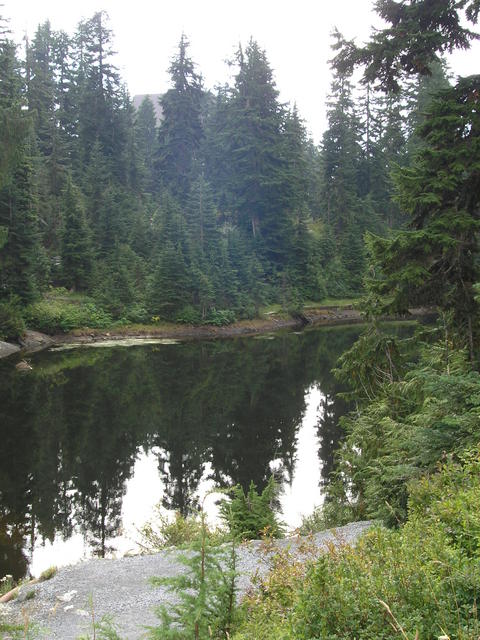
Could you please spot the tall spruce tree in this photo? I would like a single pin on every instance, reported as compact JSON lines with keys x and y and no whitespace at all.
{"x":252,"y":152}
{"x":77,"y":255}
{"x":343,"y":209}
{"x":145,"y":139}
{"x":181,"y":130}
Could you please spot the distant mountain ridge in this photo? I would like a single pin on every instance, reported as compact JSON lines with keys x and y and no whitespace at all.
{"x":155,"y":98}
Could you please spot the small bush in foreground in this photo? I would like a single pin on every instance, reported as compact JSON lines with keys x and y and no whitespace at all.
{"x":161,"y":532}
{"x":252,"y":515}
{"x":48,"y":574}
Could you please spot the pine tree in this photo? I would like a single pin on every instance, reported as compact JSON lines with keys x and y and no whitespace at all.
{"x":341,"y":154}
{"x":169,"y":290}
{"x":341,"y":157}
{"x":14,"y":125}
{"x":99,"y":95}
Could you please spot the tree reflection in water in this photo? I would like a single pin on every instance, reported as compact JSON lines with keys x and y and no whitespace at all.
{"x":71,"y":429}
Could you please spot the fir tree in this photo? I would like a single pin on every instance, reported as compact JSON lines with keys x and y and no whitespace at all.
{"x":181,"y":130}
{"x":77,"y":256}
{"x":145,"y":139}
{"x":20,"y":259}
{"x":436,"y":261}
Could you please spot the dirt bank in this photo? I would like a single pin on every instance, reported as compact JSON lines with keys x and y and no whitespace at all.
{"x":319,"y":316}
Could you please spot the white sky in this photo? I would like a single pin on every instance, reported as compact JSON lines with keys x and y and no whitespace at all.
{"x":295,"y":35}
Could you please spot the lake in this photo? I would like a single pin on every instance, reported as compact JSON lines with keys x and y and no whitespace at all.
{"x":94,"y":437}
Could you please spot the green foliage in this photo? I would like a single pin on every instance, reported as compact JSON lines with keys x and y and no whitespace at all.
{"x":219,"y":317}
{"x":205,"y":593}
{"x":265,"y":610}
{"x":12,"y":324}
{"x":189,"y":315}
{"x":3,"y":236}
{"x":77,"y":257}
{"x":448,"y":500}
{"x":406,"y":420}
{"x":252,"y":515}
{"x":421,"y":581}
{"x":103,"y":629}
{"x":48,"y":574}
{"x":416,"y":33}
{"x":60,"y":313}
{"x":435,"y":261}
{"x":25,"y":631}
{"x":162,"y":532}
{"x":181,"y":130}
{"x":6,"y":584}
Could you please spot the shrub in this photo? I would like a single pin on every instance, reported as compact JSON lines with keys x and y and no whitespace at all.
{"x":162,"y":532}
{"x":55,"y":315}
{"x":136,"y":313}
{"x":252,"y":515}
{"x":189,"y":315}
{"x":220,"y":317}
{"x":48,"y":574}
{"x":421,"y":581}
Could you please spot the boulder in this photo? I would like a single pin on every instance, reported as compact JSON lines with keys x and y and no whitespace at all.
{"x":6,"y":349}
{"x":23,"y":365}
{"x":32,"y":341}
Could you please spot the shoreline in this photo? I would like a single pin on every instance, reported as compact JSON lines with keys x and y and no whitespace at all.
{"x":241,"y":328}
{"x":34,"y":341}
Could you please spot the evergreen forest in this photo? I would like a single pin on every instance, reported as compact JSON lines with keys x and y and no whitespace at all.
{"x":204,"y":214}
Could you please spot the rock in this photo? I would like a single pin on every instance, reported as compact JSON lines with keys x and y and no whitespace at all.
{"x":67,"y":597}
{"x":6,"y":349}
{"x":23,"y":366}
{"x":25,"y":593}
{"x":32,"y":341}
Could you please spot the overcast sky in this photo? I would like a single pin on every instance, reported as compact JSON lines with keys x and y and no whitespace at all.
{"x":294,"y":33}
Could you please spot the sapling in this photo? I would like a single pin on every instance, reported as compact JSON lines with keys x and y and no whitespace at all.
{"x":204,"y":595}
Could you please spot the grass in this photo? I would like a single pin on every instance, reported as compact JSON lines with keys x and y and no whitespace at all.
{"x":6,"y":585}
{"x":309,"y":304}
{"x":48,"y":574}
{"x":331,"y":302}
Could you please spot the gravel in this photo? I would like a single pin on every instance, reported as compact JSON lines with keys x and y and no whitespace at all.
{"x":62,"y":606}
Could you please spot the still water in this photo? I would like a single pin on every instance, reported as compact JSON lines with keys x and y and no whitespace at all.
{"x":93,"y":438}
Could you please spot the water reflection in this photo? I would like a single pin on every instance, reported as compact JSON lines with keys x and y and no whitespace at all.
{"x":77,"y":429}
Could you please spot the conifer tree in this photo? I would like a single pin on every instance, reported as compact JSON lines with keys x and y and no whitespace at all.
{"x":77,"y":256}
{"x":145,"y":139}
{"x":20,"y":264}
{"x":417,"y":32}
{"x":181,"y":130}
{"x":435,"y":261}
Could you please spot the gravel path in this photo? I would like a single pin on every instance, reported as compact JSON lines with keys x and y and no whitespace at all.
{"x":121,"y":589}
